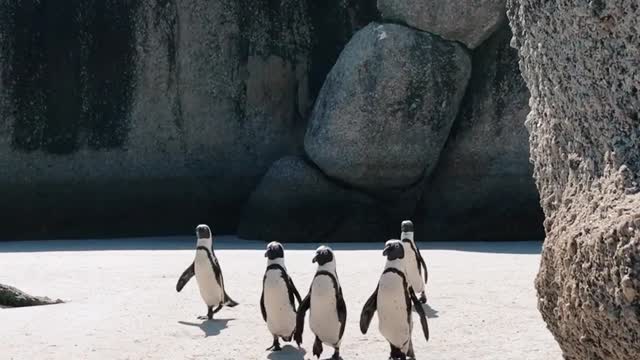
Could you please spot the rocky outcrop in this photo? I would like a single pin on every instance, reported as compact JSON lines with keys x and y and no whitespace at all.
{"x":470,"y":22}
{"x":482,"y":187}
{"x":12,"y":297}
{"x":296,"y":202}
{"x":386,"y":108}
{"x":148,"y":113}
{"x":581,"y":61}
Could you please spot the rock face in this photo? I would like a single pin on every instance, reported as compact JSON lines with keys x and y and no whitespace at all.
{"x":483,"y":187}
{"x":12,"y":297}
{"x":386,"y":108}
{"x":296,"y":202}
{"x":585,"y":111}
{"x":470,"y":22}
{"x":148,"y":113}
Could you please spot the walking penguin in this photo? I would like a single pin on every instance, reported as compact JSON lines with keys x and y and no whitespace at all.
{"x":392,"y":299}
{"x":416,"y":267}
{"x":277,"y":302}
{"x":208,"y":274}
{"x":328,"y":311}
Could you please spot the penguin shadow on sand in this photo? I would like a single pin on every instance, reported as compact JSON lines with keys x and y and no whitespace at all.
{"x":209,"y":327}
{"x":430,"y":312}
{"x":288,"y":352}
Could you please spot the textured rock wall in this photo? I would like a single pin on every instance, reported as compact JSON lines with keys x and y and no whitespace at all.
{"x":581,"y":61}
{"x":154,"y":112}
{"x":468,"y":21}
{"x":387,"y":106}
{"x":378,"y":129}
{"x":121,"y":117}
{"x":482,"y":188}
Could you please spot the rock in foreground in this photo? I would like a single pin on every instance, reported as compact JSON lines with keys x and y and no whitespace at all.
{"x":581,"y":61}
{"x":12,"y":297}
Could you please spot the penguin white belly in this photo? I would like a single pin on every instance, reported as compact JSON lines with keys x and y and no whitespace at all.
{"x":413,"y":275}
{"x":281,"y":319}
{"x":323,"y":319}
{"x":210,"y":290}
{"x":393,"y":320}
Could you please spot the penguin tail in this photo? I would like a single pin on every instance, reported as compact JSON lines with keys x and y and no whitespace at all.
{"x":229,"y":301}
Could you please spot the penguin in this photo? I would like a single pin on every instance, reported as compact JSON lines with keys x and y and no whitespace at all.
{"x":208,"y":274}
{"x":392,"y":299}
{"x":328,"y":311}
{"x":277,"y":301}
{"x":416,"y":267}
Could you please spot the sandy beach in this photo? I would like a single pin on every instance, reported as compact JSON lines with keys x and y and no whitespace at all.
{"x":122,"y":303}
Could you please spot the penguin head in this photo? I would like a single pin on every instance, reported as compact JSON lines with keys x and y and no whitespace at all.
{"x":393,"y":250}
{"x":324,"y":255}
{"x":407,"y":230}
{"x":203,"y":233}
{"x":275,"y":250}
{"x":406,"y":226}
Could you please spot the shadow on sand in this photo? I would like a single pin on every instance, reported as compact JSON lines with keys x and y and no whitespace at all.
{"x":288,"y":352}
{"x":226,"y":242}
{"x":209,"y":327}
{"x":429,"y":311}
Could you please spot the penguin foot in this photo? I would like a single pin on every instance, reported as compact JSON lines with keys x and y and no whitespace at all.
{"x":423,"y":298}
{"x":410,"y":353}
{"x":210,"y":313}
{"x":275,"y":346}
{"x":336,"y":355}
{"x":317,"y":348}
{"x":396,"y":354}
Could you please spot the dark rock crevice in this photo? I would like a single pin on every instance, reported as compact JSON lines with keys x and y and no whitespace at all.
{"x":482,"y":187}
{"x":68,"y":81}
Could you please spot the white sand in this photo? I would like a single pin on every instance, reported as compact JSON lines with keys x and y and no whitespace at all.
{"x":122,"y":302}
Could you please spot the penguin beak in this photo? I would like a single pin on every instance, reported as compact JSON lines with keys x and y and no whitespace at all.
{"x":386,"y":250}
{"x":315,"y":259}
{"x":266,"y":253}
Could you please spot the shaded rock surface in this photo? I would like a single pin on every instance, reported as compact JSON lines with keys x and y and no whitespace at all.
{"x":470,"y":22}
{"x":151,"y":116}
{"x":296,"y":202}
{"x":12,"y":297}
{"x":483,"y":187}
{"x":385,"y":110}
{"x":581,"y":61}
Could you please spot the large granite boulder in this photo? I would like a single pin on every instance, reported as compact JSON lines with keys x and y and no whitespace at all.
{"x":296,"y":202}
{"x":483,"y":187}
{"x":470,"y":22}
{"x":151,"y":116}
{"x":385,"y":110}
{"x":581,"y":61}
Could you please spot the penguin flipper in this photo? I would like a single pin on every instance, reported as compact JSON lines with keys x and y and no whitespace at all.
{"x":368,"y":310}
{"x":423,"y":264}
{"x":262,"y":308}
{"x":185,"y":277}
{"x":342,"y":311}
{"x":292,"y":288}
{"x":302,"y":309}
{"x":421,"y":313}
